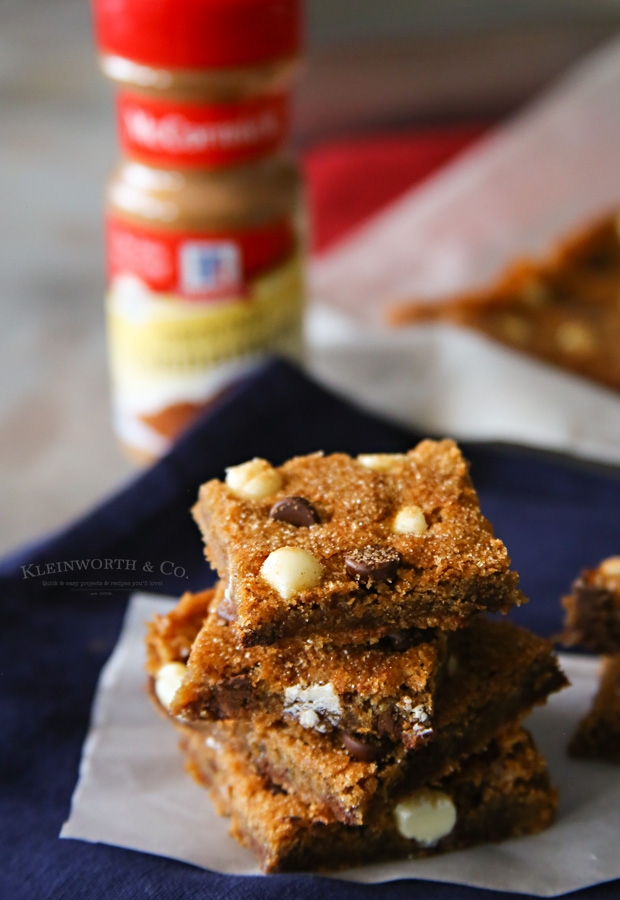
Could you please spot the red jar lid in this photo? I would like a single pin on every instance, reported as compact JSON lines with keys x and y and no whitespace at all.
{"x":198,"y":33}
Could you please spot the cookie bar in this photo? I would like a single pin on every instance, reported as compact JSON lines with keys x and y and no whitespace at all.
{"x":502,"y":792}
{"x":169,"y":641}
{"x":495,"y":672}
{"x":592,"y":620}
{"x":501,"y":673}
{"x":353,"y":547}
{"x":170,"y":637}
{"x":562,"y":309}
{"x":598,"y":734}
{"x":592,"y":609}
{"x":381,"y":691}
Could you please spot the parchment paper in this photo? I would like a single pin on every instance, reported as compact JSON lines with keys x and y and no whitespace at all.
{"x":133,"y":793}
{"x":549,"y":169}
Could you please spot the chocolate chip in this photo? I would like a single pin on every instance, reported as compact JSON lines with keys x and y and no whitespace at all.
{"x":296,"y":511}
{"x":275,"y":789}
{"x":388,"y":724}
{"x":600,"y":260}
{"x":362,"y":750}
{"x":373,"y":563}
{"x":227,"y":608}
{"x":401,"y":640}
{"x":236,"y":695}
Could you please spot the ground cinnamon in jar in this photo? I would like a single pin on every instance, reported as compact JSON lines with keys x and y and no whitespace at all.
{"x":204,"y":244}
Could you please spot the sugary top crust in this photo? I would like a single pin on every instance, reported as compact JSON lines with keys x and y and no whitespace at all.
{"x":356,"y":507}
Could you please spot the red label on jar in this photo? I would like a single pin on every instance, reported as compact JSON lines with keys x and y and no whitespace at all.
{"x":186,"y":134}
{"x":196,"y":265}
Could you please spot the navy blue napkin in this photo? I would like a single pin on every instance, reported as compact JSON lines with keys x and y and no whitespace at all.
{"x":63,"y":601}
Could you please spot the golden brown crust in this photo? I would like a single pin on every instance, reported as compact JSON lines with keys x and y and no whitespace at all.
{"x":562,"y":309}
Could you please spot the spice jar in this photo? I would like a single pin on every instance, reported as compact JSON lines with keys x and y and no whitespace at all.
{"x":203,"y":212}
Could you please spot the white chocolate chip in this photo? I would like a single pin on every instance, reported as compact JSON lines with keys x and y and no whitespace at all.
{"x":420,"y":721}
{"x":453,"y":665}
{"x":409,"y":520}
{"x":309,"y":719}
{"x":263,"y":485}
{"x":425,"y":816}
{"x":610,"y":566}
{"x":417,"y":717}
{"x":314,"y":706}
{"x":238,"y":476}
{"x":253,"y":480}
{"x":167,"y":682}
{"x":380,"y":462}
{"x":575,"y":338}
{"x":291,"y":570}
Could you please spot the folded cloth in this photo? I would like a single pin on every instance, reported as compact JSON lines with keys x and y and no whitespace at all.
{"x":554,"y":516}
{"x":351,"y":179}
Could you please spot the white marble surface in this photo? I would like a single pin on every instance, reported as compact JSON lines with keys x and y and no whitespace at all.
{"x":57,"y":453}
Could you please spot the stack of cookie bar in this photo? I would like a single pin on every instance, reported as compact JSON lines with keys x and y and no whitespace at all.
{"x":339,"y":691}
{"x":593,"y":621}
